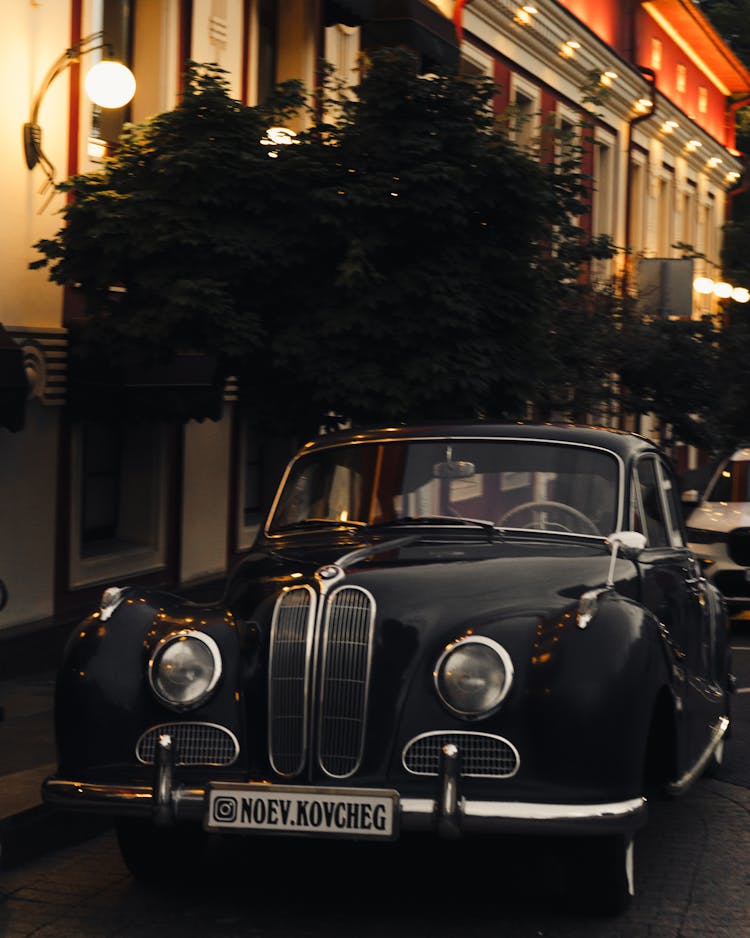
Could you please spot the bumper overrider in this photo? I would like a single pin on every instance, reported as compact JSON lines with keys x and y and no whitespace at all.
{"x":347,"y":812}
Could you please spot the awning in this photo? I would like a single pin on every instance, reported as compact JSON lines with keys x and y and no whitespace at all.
{"x":416,"y":25}
{"x":189,"y":387}
{"x":14,"y":386}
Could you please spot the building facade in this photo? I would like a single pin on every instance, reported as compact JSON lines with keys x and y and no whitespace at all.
{"x":174,"y":500}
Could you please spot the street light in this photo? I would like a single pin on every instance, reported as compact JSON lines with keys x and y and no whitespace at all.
{"x":721,"y":289}
{"x":109,"y":84}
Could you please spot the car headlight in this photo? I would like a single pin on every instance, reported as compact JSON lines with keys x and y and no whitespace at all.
{"x":473,"y":676}
{"x":184,"y":669}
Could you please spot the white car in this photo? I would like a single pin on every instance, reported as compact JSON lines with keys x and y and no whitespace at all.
{"x":718,"y":531}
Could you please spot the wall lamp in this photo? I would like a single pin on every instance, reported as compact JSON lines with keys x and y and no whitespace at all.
{"x":109,"y":84}
{"x":720,"y":289}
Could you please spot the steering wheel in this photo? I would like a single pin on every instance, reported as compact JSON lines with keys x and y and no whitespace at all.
{"x":540,"y":524}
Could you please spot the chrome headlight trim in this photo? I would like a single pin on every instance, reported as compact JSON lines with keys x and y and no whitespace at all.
{"x":187,"y":690}
{"x":496,"y":668}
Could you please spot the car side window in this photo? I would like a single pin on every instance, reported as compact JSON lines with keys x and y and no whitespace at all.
{"x":672,"y":506}
{"x":649,"y":504}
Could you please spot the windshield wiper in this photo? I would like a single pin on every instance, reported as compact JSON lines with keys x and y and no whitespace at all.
{"x":321,"y":523}
{"x":488,"y":526}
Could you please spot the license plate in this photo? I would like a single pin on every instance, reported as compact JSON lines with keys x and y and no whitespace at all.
{"x":328,"y":812}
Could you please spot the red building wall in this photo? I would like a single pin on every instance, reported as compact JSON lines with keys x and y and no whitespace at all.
{"x":630,"y":31}
{"x":713,"y":120}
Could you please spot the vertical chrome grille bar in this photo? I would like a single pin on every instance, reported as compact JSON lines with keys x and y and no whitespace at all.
{"x":292,"y":632}
{"x":345,"y":677}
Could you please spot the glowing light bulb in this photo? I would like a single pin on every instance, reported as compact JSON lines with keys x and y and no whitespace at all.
{"x":110,"y":84}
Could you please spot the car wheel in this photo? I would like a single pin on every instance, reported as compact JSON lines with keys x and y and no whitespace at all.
{"x":159,"y":854}
{"x":604,"y":874}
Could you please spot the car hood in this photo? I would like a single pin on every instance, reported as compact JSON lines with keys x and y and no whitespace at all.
{"x":457,"y":579}
{"x":720,"y":516}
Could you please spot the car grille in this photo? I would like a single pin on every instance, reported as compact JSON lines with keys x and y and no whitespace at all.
{"x":738,"y":545}
{"x":336,"y":671}
{"x":481,"y":755}
{"x":192,"y":744}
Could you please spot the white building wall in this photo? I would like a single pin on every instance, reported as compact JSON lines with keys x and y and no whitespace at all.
{"x":205,"y":504}
{"x":28,"y":492}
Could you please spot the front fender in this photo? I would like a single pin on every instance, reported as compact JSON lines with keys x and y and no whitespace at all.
{"x":581,"y":704}
{"x":103,"y":699}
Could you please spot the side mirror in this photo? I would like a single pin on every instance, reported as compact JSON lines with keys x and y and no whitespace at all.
{"x":629,"y":544}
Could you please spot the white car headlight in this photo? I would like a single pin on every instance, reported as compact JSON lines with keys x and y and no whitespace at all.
{"x":473,"y":676}
{"x":184,"y":669}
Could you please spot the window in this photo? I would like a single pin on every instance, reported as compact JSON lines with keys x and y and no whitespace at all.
{"x":268,"y":35}
{"x":603,"y":201}
{"x":681,"y":78}
{"x":568,"y":134}
{"x":100,"y":488}
{"x":702,"y":100}
{"x":710,"y":235}
{"x":656,"y":51}
{"x":524,"y":114}
{"x":689,"y":202}
{"x":666,"y":212}
{"x":637,"y":199}
{"x":114,"y":19}
{"x":474,"y":63}
{"x":342,"y":48}
{"x":655,"y":506}
{"x":565,"y":489}
{"x":262,"y":461}
{"x":118,"y":500}
{"x":251,"y":468}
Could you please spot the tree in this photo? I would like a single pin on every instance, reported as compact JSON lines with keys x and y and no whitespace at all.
{"x":668,"y":368}
{"x":434,"y":305}
{"x":170,"y":242}
{"x":404,"y":260}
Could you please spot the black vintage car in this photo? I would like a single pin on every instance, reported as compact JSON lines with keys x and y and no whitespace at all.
{"x":453,"y":631}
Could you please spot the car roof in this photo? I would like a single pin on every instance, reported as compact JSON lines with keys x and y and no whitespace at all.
{"x":624,"y":444}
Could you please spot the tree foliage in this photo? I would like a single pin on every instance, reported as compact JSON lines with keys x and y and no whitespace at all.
{"x":403,"y":261}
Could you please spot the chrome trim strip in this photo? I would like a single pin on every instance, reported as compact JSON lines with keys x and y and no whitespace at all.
{"x":529,"y":810}
{"x":550,"y":812}
{"x":717,"y":734}
{"x":138,"y":800}
{"x":415,"y":813}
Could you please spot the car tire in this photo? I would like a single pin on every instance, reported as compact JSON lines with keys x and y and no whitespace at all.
{"x":156,"y":855}
{"x":602,"y":876}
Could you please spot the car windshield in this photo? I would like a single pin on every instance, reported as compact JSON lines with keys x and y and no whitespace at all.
{"x":732,"y":482}
{"x":511,"y":483}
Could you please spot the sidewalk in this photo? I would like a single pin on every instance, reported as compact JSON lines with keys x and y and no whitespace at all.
{"x":27,"y":755}
{"x":29,"y":828}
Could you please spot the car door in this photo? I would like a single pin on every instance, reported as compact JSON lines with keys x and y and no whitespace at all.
{"x":675,"y":591}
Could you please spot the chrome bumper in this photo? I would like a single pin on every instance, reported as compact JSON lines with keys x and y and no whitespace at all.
{"x":450,"y":816}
